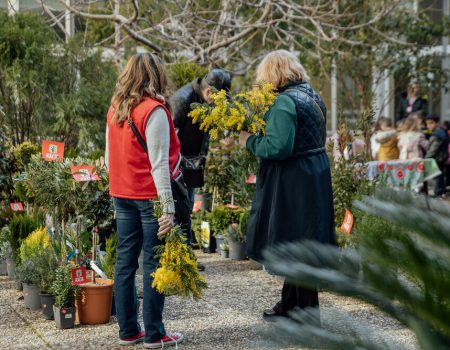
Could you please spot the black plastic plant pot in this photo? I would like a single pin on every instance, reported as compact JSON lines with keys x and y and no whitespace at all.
{"x":47,"y":302}
{"x":64,"y":317}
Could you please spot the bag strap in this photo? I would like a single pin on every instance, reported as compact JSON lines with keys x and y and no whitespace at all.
{"x":144,"y":144}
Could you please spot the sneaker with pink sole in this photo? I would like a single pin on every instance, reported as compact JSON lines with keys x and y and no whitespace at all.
{"x":171,"y":338}
{"x":133,"y":340}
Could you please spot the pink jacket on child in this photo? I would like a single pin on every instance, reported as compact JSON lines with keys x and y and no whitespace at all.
{"x":411,"y":145}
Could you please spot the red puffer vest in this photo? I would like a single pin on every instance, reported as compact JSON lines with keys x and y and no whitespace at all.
{"x":129,"y":166}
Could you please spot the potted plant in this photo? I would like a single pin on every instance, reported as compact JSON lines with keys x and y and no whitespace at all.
{"x":225,"y":250}
{"x":236,"y":241}
{"x":35,"y":245}
{"x":4,"y":251}
{"x":46,"y":265}
{"x":221,"y":218}
{"x":64,"y":291}
{"x":26,"y":274}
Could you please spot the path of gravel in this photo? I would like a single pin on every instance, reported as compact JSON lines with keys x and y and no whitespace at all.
{"x":228,"y":318}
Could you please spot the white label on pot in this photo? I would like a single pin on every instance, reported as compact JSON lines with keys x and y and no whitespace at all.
{"x":68,"y":316}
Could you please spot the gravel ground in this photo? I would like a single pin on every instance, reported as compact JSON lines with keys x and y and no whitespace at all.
{"x":228,"y":317}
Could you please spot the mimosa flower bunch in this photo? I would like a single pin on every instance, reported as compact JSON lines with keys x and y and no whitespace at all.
{"x":177,"y":273}
{"x":241,"y":112}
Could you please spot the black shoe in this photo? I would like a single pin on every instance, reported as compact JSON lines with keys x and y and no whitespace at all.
{"x":270,"y":315}
{"x":200,"y":267}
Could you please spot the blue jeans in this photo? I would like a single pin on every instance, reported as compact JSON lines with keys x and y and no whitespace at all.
{"x":137,"y":229}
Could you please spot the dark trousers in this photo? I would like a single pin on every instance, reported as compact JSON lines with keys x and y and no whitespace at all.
{"x":293,"y":296}
{"x":137,"y":229}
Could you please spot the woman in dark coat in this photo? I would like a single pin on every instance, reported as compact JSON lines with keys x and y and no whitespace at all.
{"x":294,"y":198}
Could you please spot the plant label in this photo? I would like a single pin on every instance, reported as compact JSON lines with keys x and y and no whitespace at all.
{"x":251,"y":179}
{"x":68,"y":316}
{"x":84,"y":173}
{"x":78,"y":275}
{"x":347,"y":224}
{"x":16,"y":206}
{"x":206,"y":233}
{"x":52,"y":150}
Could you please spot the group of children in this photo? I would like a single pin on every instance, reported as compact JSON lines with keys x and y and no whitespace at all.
{"x":414,"y":137}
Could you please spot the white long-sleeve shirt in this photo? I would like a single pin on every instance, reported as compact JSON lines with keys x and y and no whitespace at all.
{"x":157,"y":134}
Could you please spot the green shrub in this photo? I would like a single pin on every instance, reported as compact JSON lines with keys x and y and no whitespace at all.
{"x":35,"y":243}
{"x":109,"y":260}
{"x":23,"y":153}
{"x":27,"y":272}
{"x":222,"y":217}
{"x":62,"y":287}
{"x":20,"y":226}
{"x":46,"y":264}
{"x":183,"y":72}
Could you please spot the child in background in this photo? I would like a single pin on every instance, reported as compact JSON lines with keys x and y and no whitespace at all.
{"x":387,"y":138}
{"x":411,"y":142}
{"x":438,"y":150}
{"x":420,"y":117}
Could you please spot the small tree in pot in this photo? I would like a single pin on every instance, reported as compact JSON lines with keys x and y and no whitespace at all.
{"x":236,"y":241}
{"x":64,"y":291}
{"x":26,"y":274}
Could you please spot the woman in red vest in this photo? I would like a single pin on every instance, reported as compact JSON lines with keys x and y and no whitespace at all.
{"x":135,"y":178}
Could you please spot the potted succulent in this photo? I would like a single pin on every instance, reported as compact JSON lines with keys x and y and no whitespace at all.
{"x":64,"y":291}
{"x":224,"y":250}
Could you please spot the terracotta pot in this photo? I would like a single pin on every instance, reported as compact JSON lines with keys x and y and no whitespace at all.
{"x":94,"y":302}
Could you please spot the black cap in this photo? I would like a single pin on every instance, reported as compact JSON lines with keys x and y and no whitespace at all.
{"x":219,"y":79}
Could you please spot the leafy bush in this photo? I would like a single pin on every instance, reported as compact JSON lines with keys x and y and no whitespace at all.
{"x":63,"y":289}
{"x":35,"y":243}
{"x":234,"y":234}
{"x":401,"y":266}
{"x":222,"y":217}
{"x":20,"y":226}
{"x":23,"y":152}
{"x":110,"y":259}
{"x":46,"y":264}
{"x":27,"y":272}
{"x":183,"y":72}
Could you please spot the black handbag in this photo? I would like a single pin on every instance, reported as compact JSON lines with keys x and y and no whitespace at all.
{"x":193,"y":171}
{"x":179,"y":190}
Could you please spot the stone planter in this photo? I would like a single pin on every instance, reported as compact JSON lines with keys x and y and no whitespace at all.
{"x":219,"y":241}
{"x":47,"y":302}
{"x":64,"y":317}
{"x":11,"y":268}
{"x":237,"y":250}
{"x":31,"y":297}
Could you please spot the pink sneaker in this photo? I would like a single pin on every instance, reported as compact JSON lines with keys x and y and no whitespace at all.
{"x":171,"y":338}
{"x":133,"y":340}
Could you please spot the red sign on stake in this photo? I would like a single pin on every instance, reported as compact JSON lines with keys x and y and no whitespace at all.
{"x":84,"y":173}
{"x":348,"y":222}
{"x":251,"y":179}
{"x":16,"y":206}
{"x":78,"y":275}
{"x":52,"y":150}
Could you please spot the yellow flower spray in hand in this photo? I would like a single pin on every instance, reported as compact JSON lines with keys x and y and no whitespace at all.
{"x":242,"y":112}
{"x":177,"y":272}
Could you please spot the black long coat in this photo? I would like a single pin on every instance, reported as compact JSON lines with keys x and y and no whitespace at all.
{"x":294,"y":199}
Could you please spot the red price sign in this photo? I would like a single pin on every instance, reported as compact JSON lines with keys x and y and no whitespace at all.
{"x":84,"y":173}
{"x":348,"y":222}
{"x":251,"y":179}
{"x":16,"y":206}
{"x":52,"y":150}
{"x":78,"y":275}
{"x":197,"y":206}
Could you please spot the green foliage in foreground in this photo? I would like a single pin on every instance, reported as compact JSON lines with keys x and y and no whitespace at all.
{"x":406,"y":275}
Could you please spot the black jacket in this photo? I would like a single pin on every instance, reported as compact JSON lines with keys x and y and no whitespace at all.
{"x":294,"y":199}
{"x":192,"y":139}
{"x":420,"y":104}
{"x":438,"y":145}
